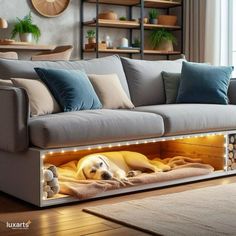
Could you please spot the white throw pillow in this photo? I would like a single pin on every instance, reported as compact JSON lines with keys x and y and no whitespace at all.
{"x":6,"y":82}
{"x":110,"y":91}
{"x":41,"y":100}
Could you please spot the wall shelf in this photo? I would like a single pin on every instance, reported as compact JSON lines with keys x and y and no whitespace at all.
{"x":155,"y":52}
{"x":114,"y":51}
{"x":147,"y":3}
{"x":133,"y":51}
{"x":161,"y":4}
{"x":113,"y":24}
{"x":131,"y":25}
{"x":116,"y":2}
{"x":128,"y":25}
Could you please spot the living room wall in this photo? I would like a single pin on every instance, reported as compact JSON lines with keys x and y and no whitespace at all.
{"x":59,"y":30}
{"x":63,"y":29}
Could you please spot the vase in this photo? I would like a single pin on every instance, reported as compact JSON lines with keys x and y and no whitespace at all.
{"x":26,"y":37}
{"x":165,"y":45}
{"x":91,"y":40}
{"x":153,"y":21}
{"x":167,"y":20}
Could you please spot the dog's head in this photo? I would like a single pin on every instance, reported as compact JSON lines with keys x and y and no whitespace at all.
{"x":95,"y":167}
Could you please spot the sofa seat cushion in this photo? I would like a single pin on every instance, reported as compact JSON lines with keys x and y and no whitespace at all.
{"x":194,"y":118}
{"x":93,"y":127}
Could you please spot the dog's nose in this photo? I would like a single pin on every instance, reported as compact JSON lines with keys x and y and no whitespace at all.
{"x":106,"y":176}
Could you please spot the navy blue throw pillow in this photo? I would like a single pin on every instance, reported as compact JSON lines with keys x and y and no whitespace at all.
{"x":202,"y":83}
{"x":71,"y":88}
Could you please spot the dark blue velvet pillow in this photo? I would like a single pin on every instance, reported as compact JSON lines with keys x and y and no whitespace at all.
{"x":202,"y":83}
{"x":71,"y":88}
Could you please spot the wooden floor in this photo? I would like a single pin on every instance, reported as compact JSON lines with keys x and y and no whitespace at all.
{"x":70,"y":220}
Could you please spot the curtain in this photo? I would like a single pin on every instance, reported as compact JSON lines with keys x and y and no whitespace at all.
{"x":194,"y":25}
{"x":206,"y":31}
{"x":217,"y":36}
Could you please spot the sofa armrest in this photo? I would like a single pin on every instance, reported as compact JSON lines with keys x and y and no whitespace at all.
{"x":14,"y":107}
{"x":232,"y":92}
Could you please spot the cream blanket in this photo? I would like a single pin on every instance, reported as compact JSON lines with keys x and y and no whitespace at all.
{"x":181,"y":167}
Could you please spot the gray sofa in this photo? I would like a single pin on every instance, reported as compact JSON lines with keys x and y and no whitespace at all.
{"x":141,"y":81}
{"x":22,"y":136}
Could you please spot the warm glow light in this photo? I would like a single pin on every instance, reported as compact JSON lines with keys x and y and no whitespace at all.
{"x":173,"y":138}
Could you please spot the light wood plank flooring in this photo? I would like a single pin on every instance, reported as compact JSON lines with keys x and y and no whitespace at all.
{"x":71,"y":220}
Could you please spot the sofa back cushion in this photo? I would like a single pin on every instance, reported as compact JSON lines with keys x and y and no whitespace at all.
{"x":25,"y":69}
{"x":145,"y":79}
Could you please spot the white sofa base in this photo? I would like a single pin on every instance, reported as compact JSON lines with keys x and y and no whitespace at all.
{"x":21,"y":174}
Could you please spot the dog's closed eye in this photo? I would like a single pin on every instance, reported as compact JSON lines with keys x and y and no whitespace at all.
{"x":93,"y":171}
{"x":101,"y":163}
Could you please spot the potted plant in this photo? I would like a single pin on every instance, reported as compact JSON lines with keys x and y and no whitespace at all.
{"x":26,"y":29}
{"x":91,"y":36}
{"x":122,"y":18}
{"x":162,"y":40}
{"x":153,"y":14}
{"x":136,"y":43}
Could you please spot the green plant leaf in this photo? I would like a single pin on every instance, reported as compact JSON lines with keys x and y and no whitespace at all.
{"x":153,"y":14}
{"x":26,"y":25}
{"x":158,"y":36}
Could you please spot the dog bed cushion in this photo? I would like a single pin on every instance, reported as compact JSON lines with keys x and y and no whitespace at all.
{"x":180,"y":167}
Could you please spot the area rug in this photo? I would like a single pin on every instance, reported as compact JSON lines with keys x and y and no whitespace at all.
{"x":201,"y":212}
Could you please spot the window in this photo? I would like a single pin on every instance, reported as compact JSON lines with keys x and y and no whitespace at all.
{"x":232,"y":35}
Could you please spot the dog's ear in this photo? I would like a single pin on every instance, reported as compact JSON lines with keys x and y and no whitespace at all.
{"x":80,"y":170}
{"x":105,"y":160}
{"x":80,"y":174}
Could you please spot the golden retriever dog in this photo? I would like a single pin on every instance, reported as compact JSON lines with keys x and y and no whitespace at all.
{"x":115,"y":165}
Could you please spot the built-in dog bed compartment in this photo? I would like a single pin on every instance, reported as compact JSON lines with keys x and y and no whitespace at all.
{"x":210,"y":149}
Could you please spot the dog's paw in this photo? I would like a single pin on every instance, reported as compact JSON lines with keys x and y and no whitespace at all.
{"x":123,"y":181}
{"x":133,"y":173}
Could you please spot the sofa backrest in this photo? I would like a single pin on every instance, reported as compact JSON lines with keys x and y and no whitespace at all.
{"x":25,"y":69}
{"x":145,"y":81}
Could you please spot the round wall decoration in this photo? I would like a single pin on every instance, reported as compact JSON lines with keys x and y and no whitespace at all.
{"x":50,"y":8}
